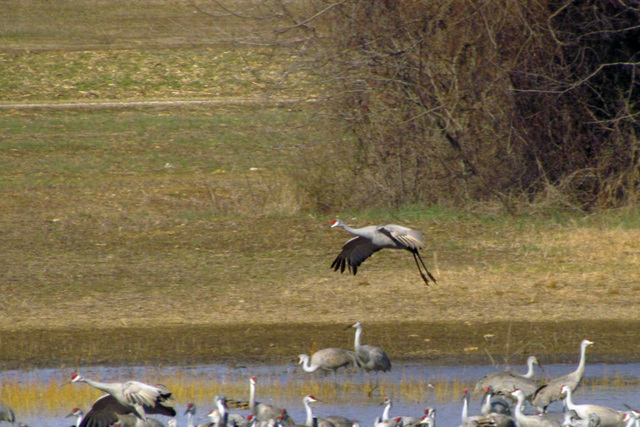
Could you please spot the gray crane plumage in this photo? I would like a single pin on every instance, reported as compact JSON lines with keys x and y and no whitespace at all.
{"x":369,"y":357}
{"x":373,"y":238}
{"x":507,"y":381}
{"x":6,"y":413}
{"x":531,"y":420}
{"x":327,"y":359}
{"x":129,"y":397}
{"x":609,"y":417}
{"x":551,"y":391}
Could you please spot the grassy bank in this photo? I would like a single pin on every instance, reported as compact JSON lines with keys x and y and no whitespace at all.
{"x":135,"y":235}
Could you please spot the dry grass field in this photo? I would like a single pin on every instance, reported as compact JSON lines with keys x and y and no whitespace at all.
{"x":176,"y":234}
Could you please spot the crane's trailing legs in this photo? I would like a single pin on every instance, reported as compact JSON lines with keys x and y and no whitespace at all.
{"x":416,"y":257}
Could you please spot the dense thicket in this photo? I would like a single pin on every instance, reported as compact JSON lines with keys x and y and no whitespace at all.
{"x":463,"y":101}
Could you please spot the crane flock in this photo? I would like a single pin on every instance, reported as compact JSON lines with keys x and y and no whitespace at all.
{"x":504,"y":404}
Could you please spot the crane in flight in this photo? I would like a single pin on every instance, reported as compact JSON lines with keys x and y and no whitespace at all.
{"x":371,"y":239}
{"x":132,"y":397}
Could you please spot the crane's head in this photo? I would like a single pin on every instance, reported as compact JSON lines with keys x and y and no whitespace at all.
{"x":75,"y":412}
{"x":354,"y":325}
{"x":74,"y":379}
{"x":386,"y":401}
{"x":191,"y":409}
{"x":587,"y":342}
{"x":336,"y":223}
{"x":310,"y":399}
{"x":565,"y":389}
{"x":302,"y":358}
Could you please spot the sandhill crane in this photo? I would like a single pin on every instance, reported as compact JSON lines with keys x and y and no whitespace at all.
{"x":531,"y":420}
{"x":6,"y":413}
{"x":429,"y":419}
{"x":261,"y":411}
{"x":219,"y":416}
{"x":78,"y":413}
{"x":406,"y":420}
{"x":550,"y":392}
{"x":507,"y":381}
{"x":190,"y":412}
{"x":494,"y":404}
{"x":340,"y":421}
{"x":609,"y":417}
{"x":128,"y":397}
{"x":371,"y":239}
{"x":310,"y":422}
{"x":232,"y":419}
{"x":327,"y":359}
{"x":370,"y":357}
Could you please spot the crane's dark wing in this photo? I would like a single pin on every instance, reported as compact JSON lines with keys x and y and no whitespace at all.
{"x":354,"y":252}
{"x":163,"y":404}
{"x":104,"y":412}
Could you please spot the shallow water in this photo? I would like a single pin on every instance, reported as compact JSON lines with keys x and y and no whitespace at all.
{"x":355,"y":407}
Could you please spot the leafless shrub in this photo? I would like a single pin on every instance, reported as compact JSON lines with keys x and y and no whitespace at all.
{"x":465,"y":101}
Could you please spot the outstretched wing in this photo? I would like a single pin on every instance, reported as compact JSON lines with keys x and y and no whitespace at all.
{"x":104,"y":412}
{"x":154,"y":399}
{"x":353,"y":253}
{"x":410,"y":239}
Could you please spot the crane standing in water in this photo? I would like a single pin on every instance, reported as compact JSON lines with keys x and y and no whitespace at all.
{"x":371,"y":239}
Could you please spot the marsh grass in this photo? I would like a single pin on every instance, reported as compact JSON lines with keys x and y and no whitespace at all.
{"x":47,"y":396}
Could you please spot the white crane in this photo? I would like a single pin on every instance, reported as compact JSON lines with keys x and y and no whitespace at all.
{"x":371,"y":239}
{"x":551,"y":391}
{"x":609,"y":417}
{"x":370,"y":357}
{"x":327,"y":359}
{"x":6,"y":413}
{"x":531,"y":420}
{"x":310,"y":422}
{"x":507,"y":381}
{"x":78,"y":413}
{"x":128,"y":397}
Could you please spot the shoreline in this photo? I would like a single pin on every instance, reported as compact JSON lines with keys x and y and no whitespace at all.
{"x":437,"y":343}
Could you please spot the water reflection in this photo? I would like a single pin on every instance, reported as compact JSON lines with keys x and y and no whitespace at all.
{"x":597,"y":388}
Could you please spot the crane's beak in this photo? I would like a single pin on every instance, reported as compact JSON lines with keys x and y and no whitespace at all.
{"x":350,"y":326}
{"x":65,"y":383}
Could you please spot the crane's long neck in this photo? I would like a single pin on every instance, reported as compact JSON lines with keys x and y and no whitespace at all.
{"x":79,"y":420}
{"x":190,"y":419}
{"x":519,"y":414}
{"x":252,"y":397}
{"x":106,"y":387}
{"x":363,"y":232}
{"x":486,"y":406}
{"x":581,"y":364}
{"x":530,"y":371}
{"x":307,"y":408}
{"x":385,"y":413}
{"x":224,"y":414}
{"x":356,"y":342}
{"x":568,"y":400}
{"x":306,"y":364}
{"x":465,"y":409}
